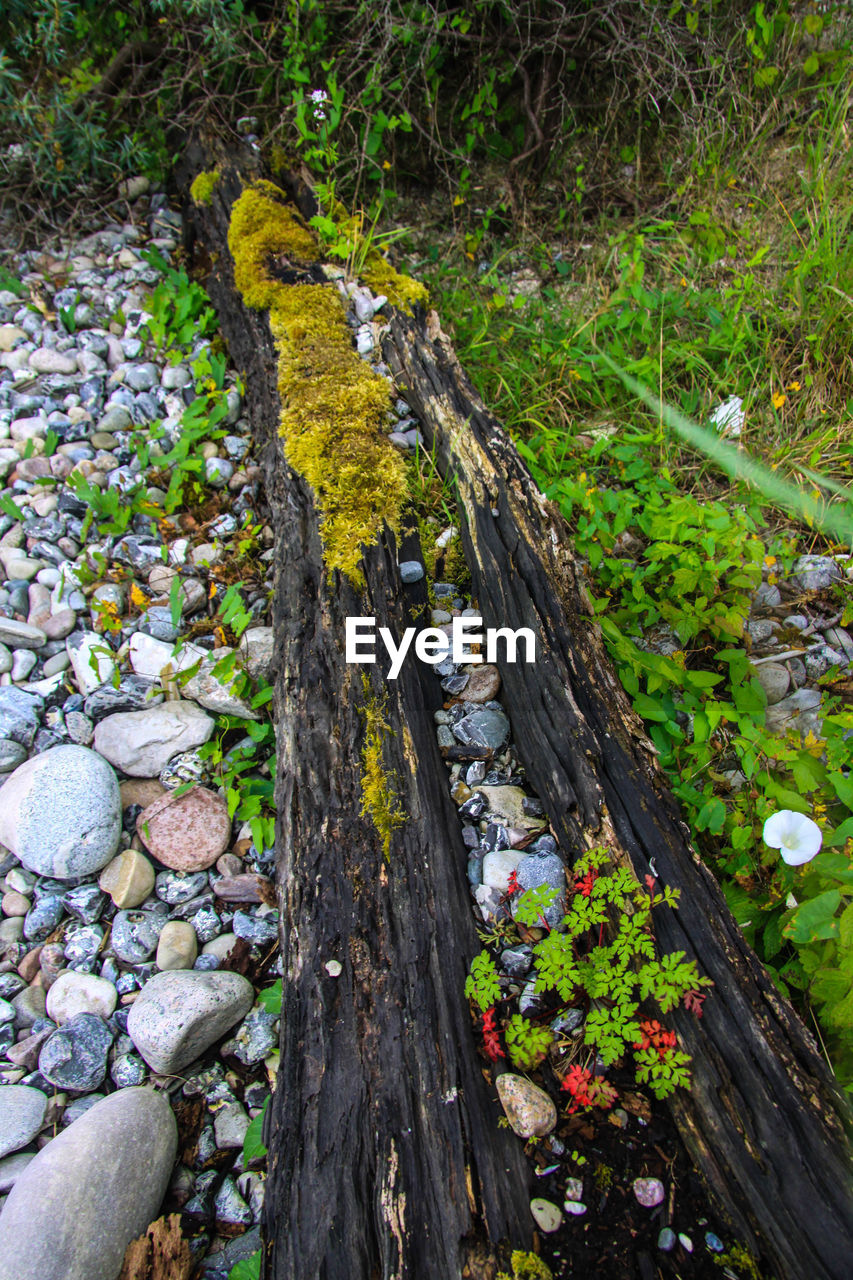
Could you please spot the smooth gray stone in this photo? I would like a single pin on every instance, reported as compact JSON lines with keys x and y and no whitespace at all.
{"x":181,"y":1012}
{"x":20,"y":635}
{"x":61,"y":813}
{"x":89,"y":1192}
{"x":12,"y":1167}
{"x":21,"y":1116}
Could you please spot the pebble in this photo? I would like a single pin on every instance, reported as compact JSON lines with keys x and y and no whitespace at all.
{"x":410,"y":571}
{"x":256,"y":1037}
{"x":29,"y":1006}
{"x":498,"y":867}
{"x":229,"y":1206}
{"x":90,"y":660}
{"x":546,"y":1214}
{"x":529,"y":1110}
{"x":229,"y":1125}
{"x":186,"y":832}
{"x":134,"y":693}
{"x":74,"y":993}
{"x":181,"y":1013}
{"x":136,"y":933}
{"x":774,"y":680}
{"x":177,"y":947}
{"x":216,"y":694}
{"x":141,"y":743}
{"x":539,"y":870}
{"x":666,"y":1240}
{"x":128,"y":879}
{"x":12,"y":1167}
{"x":685,"y":1242}
{"x":576,"y":1207}
{"x":75,"y":1055}
{"x":42,"y":918}
{"x":78,"y":832}
{"x":799,"y":710}
{"x":19,"y":715}
{"x":484,"y":728}
{"x":649,"y":1191}
{"x":260,"y":930}
{"x":22,"y":1112}
{"x":484,"y":683}
{"x":814,"y":573}
{"x":75,"y":1208}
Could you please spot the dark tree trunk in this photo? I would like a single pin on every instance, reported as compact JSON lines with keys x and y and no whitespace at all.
{"x":386,"y":1159}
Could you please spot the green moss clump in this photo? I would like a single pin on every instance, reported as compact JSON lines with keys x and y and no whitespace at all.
{"x":526,"y":1266}
{"x":333,"y":407}
{"x":379,"y":801}
{"x":204,"y":184}
{"x":262,"y":227}
{"x":401,"y":291}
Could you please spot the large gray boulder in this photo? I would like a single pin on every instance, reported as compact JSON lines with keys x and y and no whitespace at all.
{"x":61,"y":813}
{"x":97,"y":1186}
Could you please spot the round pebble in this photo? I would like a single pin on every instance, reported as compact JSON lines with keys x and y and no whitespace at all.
{"x":547,"y":1216}
{"x":649,"y":1191}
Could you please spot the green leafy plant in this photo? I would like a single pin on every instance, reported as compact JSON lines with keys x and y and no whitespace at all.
{"x":180,"y":309}
{"x":482,"y":984}
{"x":527,"y":1044}
{"x":614,"y":977}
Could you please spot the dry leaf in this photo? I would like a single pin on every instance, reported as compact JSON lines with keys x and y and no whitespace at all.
{"x":161,"y":1254}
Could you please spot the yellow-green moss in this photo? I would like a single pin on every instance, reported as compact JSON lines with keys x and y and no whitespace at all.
{"x":204,"y":185}
{"x":379,"y":801}
{"x":263,"y":227}
{"x":401,"y":291}
{"x":526,"y":1266}
{"x":333,"y":406}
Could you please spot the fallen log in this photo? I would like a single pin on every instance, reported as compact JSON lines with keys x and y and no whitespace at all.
{"x":385,"y":1155}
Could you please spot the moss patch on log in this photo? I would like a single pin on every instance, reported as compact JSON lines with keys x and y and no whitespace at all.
{"x":379,"y":800}
{"x":333,"y":406}
{"x":204,"y":185}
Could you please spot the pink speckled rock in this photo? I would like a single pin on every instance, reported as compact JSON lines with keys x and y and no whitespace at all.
{"x":186,"y":832}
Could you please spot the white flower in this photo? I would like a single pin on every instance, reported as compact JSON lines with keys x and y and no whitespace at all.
{"x":796,"y":837}
{"x":729,"y":417}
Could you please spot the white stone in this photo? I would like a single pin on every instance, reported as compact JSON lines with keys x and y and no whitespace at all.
{"x":74,"y":993}
{"x":91,"y":661}
{"x":149,"y":657}
{"x":546,"y":1214}
{"x":141,"y":743}
{"x":497,"y":867}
